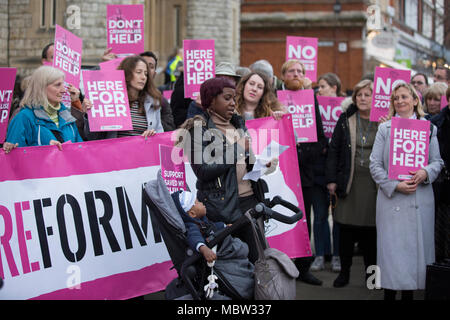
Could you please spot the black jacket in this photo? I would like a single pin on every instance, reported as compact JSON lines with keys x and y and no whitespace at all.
{"x":217,"y":184}
{"x":178,"y":103}
{"x":309,"y":154}
{"x":442,"y":122}
{"x":339,"y":160}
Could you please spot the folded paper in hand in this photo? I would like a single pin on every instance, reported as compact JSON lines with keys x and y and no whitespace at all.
{"x":272,"y":151}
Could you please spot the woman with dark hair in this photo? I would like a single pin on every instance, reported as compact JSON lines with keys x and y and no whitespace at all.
{"x":330,"y":85}
{"x":144,"y":99}
{"x":255,"y":98}
{"x":218,"y":148}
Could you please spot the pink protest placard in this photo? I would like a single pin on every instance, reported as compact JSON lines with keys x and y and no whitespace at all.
{"x":409,"y":146}
{"x":125,"y":28}
{"x":173,"y":170}
{"x":199,"y":65}
{"x":111,"y":65}
{"x":67,"y":56}
{"x":107,"y":91}
{"x":7,"y":80}
{"x":168,"y":94}
{"x":444,"y":101}
{"x":385,"y":81}
{"x":306,"y":50}
{"x":301,"y":105}
{"x":330,"y":110}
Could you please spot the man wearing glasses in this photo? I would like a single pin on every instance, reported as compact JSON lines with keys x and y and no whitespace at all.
{"x":420,"y":83}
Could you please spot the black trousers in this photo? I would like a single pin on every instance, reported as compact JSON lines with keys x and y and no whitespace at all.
{"x":367,"y":239}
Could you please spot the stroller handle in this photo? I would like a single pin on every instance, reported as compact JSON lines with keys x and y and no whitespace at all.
{"x":261,"y":208}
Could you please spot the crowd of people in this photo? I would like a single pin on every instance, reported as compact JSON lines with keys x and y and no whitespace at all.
{"x":391,"y":222}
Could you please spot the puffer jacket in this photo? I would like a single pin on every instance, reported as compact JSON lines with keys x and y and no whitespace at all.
{"x":198,"y":230}
{"x":216,"y":181}
{"x":33,"y":127}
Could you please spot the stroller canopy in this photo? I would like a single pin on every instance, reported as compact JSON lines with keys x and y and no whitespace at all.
{"x":159,"y":194}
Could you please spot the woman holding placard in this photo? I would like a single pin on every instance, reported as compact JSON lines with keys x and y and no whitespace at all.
{"x":144,"y":99}
{"x":221,"y":161}
{"x":405,"y":209}
{"x":329,"y":86}
{"x":348,"y":178}
{"x":43,"y":118}
{"x":255,"y":98}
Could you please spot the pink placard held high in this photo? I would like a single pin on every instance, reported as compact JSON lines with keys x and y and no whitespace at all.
{"x":301,"y":105}
{"x":173,"y":170}
{"x":125,"y":29}
{"x":199,"y":65}
{"x":305,"y":50}
{"x":7,"y":80}
{"x":410,"y":142}
{"x":330,"y":110}
{"x":107,"y":91}
{"x":67,"y":56}
{"x":385,"y":81}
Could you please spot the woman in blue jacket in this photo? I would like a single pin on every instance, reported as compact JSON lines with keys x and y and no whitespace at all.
{"x":43,"y":120}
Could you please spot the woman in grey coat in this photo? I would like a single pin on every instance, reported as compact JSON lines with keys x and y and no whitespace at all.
{"x":405,"y":209}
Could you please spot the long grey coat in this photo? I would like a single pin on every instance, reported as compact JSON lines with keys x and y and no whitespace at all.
{"x":405,"y":223}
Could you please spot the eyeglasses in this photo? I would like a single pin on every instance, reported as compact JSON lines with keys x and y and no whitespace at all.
{"x":419,"y":83}
{"x":439,"y":77}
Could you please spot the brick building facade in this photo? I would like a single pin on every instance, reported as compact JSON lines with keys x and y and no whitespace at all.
{"x":27,"y":26}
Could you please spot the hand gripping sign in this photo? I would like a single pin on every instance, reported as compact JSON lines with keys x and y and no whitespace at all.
{"x":410,"y":142}
{"x":199,"y":65}
{"x":7,"y":80}
{"x":108,"y":92}
{"x":125,"y":29}
{"x":305,"y":50}
{"x":386,"y":79}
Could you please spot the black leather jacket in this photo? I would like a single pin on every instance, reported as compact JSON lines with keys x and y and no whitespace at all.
{"x":213,"y":160}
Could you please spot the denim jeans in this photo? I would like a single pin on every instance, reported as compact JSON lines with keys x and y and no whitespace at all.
{"x":321,"y":228}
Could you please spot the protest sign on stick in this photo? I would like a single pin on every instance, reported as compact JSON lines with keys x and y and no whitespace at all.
{"x":386,"y":79}
{"x":199,"y":65}
{"x":125,"y":29}
{"x":301,"y":105}
{"x":7,"y":80}
{"x":67,"y":56}
{"x":409,"y":147}
{"x":304,"y":49}
{"x":107,"y":91}
{"x":330,"y":110}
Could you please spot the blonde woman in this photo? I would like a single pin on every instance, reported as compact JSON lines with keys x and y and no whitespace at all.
{"x":43,"y":120}
{"x":405,"y":209}
{"x":432,"y":99}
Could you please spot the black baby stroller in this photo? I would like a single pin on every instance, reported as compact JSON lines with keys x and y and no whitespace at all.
{"x":191,"y":267}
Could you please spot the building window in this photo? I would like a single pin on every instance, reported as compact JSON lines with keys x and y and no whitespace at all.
{"x":177,"y":36}
{"x":439,"y":22}
{"x":48,"y":14}
{"x":427,"y":19}
{"x":411,"y":14}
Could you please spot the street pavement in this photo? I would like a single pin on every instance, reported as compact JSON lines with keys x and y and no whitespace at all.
{"x":355,"y":290}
